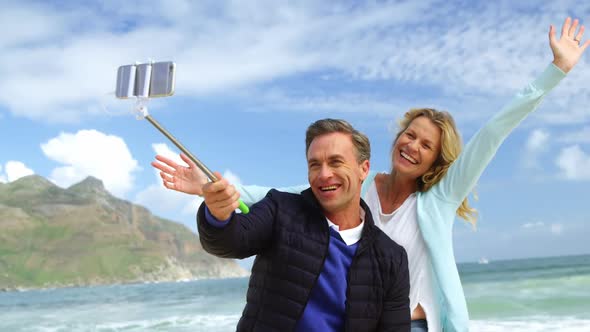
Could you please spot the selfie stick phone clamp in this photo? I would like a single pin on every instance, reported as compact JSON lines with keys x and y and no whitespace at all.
{"x":141,"y":108}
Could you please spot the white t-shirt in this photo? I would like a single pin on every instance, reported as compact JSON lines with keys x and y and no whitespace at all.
{"x":402,"y":226}
{"x":352,"y":235}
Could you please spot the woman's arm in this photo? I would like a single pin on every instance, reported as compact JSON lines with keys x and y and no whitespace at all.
{"x":252,"y":193}
{"x":466,"y":170}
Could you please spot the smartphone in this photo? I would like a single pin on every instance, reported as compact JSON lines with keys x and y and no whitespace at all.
{"x":162,"y":79}
{"x":125,"y":81}
{"x":146,"y":80}
{"x":142,"y":80}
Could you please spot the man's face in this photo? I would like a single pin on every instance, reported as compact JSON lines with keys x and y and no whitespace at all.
{"x":334,"y":174}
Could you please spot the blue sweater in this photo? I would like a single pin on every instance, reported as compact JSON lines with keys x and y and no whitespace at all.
{"x":436,"y":208}
{"x":326,"y":307}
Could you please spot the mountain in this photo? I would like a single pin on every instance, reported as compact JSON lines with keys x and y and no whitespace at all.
{"x":82,"y":235}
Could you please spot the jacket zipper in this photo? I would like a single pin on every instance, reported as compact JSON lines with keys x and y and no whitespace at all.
{"x":354,"y":260}
{"x":316,"y":278}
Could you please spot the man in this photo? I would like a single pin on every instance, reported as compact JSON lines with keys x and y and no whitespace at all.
{"x":321,"y":263}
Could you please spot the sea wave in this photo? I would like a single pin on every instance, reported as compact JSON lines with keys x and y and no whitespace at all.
{"x":556,"y":297}
{"x":210,"y":323}
{"x":213,"y":323}
{"x":533,"y":324}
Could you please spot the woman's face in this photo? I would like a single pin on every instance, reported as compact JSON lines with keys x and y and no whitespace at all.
{"x":417,"y":148}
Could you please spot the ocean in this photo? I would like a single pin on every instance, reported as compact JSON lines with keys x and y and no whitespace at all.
{"x":541,"y":294}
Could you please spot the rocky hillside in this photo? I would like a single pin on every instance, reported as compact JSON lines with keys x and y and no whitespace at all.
{"x":54,"y":237}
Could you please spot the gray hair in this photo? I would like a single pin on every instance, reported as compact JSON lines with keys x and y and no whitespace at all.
{"x":328,"y":126}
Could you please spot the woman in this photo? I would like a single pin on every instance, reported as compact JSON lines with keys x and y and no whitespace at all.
{"x":416,"y":203}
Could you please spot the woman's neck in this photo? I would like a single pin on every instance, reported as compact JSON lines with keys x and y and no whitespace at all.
{"x":393,"y":191}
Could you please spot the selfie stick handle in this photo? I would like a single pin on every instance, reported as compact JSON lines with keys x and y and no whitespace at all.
{"x":243,"y":207}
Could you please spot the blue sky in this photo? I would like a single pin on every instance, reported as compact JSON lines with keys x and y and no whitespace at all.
{"x":252,"y":75}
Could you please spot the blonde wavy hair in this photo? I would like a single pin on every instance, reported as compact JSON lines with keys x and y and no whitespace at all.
{"x":451,"y":145}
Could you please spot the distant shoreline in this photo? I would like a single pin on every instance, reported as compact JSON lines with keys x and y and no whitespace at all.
{"x":54,"y":287}
{"x":492,"y":260}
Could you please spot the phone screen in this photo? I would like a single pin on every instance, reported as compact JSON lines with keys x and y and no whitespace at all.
{"x":125,"y":81}
{"x":142,"y":80}
{"x":162,"y":80}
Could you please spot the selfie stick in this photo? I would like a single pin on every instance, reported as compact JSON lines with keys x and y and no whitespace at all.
{"x":141,"y":107}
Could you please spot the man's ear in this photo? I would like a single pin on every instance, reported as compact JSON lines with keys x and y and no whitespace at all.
{"x":364,"y":167}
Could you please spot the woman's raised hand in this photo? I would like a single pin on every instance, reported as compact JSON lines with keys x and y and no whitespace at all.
{"x":189,"y":180}
{"x":570,"y":46}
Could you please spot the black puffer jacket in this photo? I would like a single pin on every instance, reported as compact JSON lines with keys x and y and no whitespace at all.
{"x":290,"y":236}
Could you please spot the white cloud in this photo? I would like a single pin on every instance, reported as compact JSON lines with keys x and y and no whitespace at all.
{"x":557,"y":229}
{"x":157,"y":197}
{"x":164,"y":150}
{"x":574,"y":163}
{"x":231,"y":177}
{"x":192,"y":206}
{"x":533,"y":224}
{"x":90,"y":152}
{"x":16,"y":170}
{"x":536,"y":144}
{"x":384,"y":106}
{"x":161,"y":200}
{"x":220,"y":45}
{"x":537,"y":141}
{"x":39,"y":28}
{"x":579,"y":136}
{"x":539,"y":226}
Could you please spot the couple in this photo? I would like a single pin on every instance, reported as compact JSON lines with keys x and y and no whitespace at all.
{"x":415,"y":204}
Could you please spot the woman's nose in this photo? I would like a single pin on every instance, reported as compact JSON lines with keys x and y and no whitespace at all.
{"x":414,"y":145}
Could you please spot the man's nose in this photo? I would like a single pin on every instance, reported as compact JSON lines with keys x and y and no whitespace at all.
{"x":326,"y":172}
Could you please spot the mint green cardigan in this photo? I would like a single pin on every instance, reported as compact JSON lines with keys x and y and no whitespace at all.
{"x":437,"y":207}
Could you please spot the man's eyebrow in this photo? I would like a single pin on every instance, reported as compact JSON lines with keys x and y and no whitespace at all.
{"x":330,"y":158}
{"x":335,"y":156}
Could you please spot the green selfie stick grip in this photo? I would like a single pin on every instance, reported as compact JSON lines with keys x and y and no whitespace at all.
{"x":243,"y":207}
